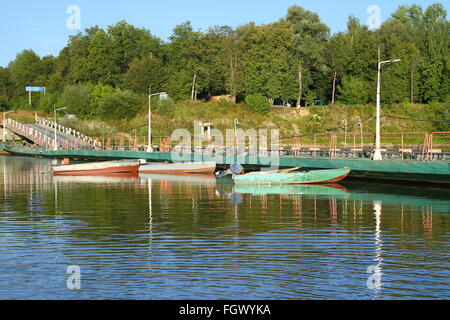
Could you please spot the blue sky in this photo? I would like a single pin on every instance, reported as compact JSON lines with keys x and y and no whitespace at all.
{"x":41,"y":25}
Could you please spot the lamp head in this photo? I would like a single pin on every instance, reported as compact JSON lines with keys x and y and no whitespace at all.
{"x":163,"y":96}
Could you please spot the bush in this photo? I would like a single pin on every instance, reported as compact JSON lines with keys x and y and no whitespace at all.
{"x":165,"y":107}
{"x":76,"y":99}
{"x":122,"y":104}
{"x":258,"y":103}
{"x":442,"y":114}
{"x":4,"y":106}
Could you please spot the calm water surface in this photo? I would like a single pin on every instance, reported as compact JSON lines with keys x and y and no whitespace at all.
{"x":169,"y":237}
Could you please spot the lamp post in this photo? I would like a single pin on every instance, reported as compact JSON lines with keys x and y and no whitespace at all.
{"x":55,"y":145}
{"x":4,"y":124}
{"x":236,"y":124}
{"x":162,"y":95}
{"x":345,"y":135}
{"x":377,"y":155}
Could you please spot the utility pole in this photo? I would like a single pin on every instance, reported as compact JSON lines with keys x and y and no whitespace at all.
{"x":377,"y":154}
{"x":162,"y":95}
{"x":194,"y":83}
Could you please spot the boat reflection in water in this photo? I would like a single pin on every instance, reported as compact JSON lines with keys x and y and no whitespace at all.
{"x":205,"y":179}
{"x":98,"y":178}
{"x":327,"y":190}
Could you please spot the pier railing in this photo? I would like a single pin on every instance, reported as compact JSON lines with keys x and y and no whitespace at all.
{"x":37,"y":137}
{"x":403,"y":145}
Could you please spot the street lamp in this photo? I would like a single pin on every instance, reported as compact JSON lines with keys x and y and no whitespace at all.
{"x":345,"y":136}
{"x":377,"y":155}
{"x":236,"y":124}
{"x":55,"y":146}
{"x":162,"y":96}
{"x":4,"y":124}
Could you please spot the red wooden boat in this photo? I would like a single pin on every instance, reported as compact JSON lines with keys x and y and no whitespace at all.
{"x":96,"y":168}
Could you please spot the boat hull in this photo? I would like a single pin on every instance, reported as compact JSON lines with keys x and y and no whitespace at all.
{"x":309,"y":177}
{"x":179,"y":168}
{"x":99,"y":168}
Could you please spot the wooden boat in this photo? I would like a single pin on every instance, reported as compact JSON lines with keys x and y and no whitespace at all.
{"x":179,"y":168}
{"x":289,"y":177}
{"x":95,"y":168}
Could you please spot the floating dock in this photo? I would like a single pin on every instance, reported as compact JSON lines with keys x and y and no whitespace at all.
{"x":437,"y":171}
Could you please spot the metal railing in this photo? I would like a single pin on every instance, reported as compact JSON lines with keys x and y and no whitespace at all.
{"x":420,"y":146}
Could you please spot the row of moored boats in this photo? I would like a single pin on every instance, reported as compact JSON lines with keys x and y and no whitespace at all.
{"x":276,"y":177}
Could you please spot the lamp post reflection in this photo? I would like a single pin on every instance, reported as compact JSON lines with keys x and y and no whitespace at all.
{"x":150,"y":222}
{"x":377,"y":272}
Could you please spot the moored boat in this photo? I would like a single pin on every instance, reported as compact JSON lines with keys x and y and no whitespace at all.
{"x":94,"y":168}
{"x":303,"y":177}
{"x":179,"y":168}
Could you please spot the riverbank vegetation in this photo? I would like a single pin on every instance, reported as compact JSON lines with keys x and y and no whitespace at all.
{"x":103,"y":76}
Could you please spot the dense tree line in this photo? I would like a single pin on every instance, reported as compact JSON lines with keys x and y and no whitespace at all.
{"x":293,"y":61}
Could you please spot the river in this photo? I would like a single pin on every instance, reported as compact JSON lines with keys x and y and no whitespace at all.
{"x":184,"y":237}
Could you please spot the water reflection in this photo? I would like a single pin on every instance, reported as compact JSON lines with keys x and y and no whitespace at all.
{"x":164,"y":236}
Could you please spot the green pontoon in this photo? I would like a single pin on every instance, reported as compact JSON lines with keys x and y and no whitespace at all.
{"x":289,"y":177}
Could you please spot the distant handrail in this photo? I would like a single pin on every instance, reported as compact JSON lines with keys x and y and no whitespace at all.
{"x":78,"y":135}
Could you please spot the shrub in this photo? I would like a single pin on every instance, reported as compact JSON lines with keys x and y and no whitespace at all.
{"x":76,"y":99}
{"x":121,"y":104}
{"x":258,"y":103}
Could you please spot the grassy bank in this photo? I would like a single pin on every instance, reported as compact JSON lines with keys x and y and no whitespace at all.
{"x":290,"y":121}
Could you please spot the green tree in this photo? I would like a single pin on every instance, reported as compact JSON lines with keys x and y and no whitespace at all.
{"x":6,"y":88}
{"x":309,"y":38}
{"x":145,"y":73}
{"x":25,"y":70}
{"x":353,"y":90}
{"x":186,"y":54}
{"x":121,"y":104}
{"x":129,"y":43}
{"x":266,"y":60}
{"x":76,"y":99}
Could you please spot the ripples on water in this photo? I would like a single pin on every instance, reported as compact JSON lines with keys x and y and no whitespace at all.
{"x":168,"y":237}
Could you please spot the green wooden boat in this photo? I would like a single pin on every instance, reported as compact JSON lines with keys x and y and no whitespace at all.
{"x":286,"y":177}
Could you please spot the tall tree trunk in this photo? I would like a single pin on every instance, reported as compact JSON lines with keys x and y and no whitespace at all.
{"x":334,"y":88}
{"x":193,"y":86}
{"x":300,"y":89}
{"x":233,"y":63}
{"x":412,"y":83}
